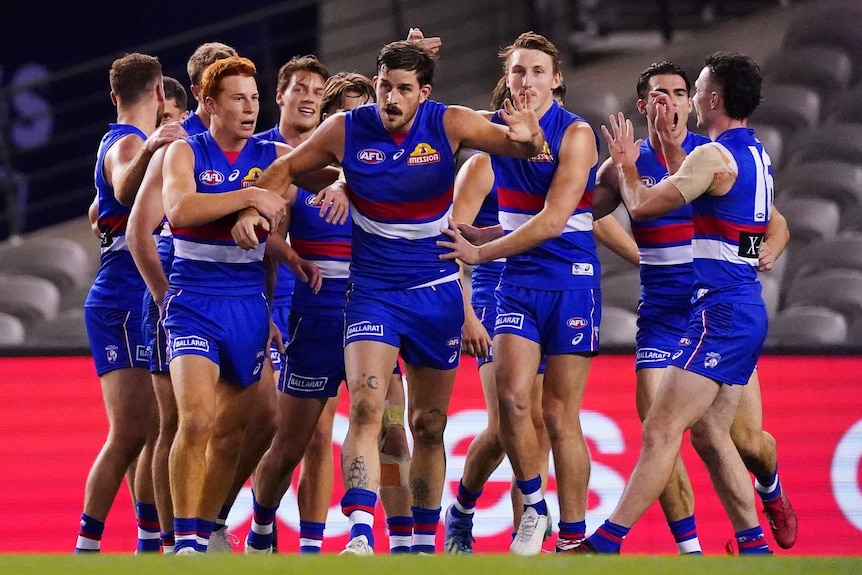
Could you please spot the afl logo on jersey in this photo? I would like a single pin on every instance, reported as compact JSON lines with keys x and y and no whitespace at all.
{"x":648,"y":181}
{"x":211,"y":177}
{"x":370,"y":156}
{"x":309,"y":201}
{"x":576,"y":322}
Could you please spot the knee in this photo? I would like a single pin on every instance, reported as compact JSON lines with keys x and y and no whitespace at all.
{"x":196,"y":427}
{"x":365,"y":411}
{"x":703,"y":441}
{"x":428,"y":426}
{"x":513,"y":404}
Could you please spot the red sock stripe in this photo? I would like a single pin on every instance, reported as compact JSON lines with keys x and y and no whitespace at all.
{"x":400,"y":530}
{"x":149,"y":525}
{"x":92,"y":536}
{"x":610,"y":536}
{"x":686,"y":536}
{"x":426,"y":528}
{"x":347,"y":510}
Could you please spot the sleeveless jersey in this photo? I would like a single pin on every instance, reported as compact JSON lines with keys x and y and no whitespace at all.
{"x":118,"y":282}
{"x":206,"y":258}
{"x":486,"y":276}
{"x":401,"y":195}
{"x":328,"y":246}
{"x":286,"y":281}
{"x":564,"y":263}
{"x":664,"y":244}
{"x":729,"y":229}
{"x":165,"y":243}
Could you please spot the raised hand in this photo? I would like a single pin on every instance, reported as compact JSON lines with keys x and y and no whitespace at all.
{"x":520,"y":119}
{"x":621,"y":144}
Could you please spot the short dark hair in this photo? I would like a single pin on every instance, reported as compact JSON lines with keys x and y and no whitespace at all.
{"x":531,"y":41}
{"x":410,"y":56}
{"x":663,"y":68}
{"x":175,"y":91}
{"x":339,"y":84}
{"x":738,"y":76}
{"x":221,"y":69}
{"x":307,"y":63}
{"x":133,"y":75}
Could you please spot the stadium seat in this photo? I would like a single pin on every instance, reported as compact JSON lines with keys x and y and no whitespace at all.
{"x":847,"y":107}
{"x":840,"y":253}
{"x":837,"y":181}
{"x":841,"y":142}
{"x":833,"y":24}
{"x":618,"y":328}
{"x":826,"y":69}
{"x":836,"y":289}
{"x":770,"y":137}
{"x":622,"y":290}
{"x":771,"y":292}
{"x":851,"y":221}
{"x":59,"y":260}
{"x":11,"y":330}
{"x":806,"y":325}
{"x":28,"y":298}
{"x":66,"y":331}
{"x":787,"y":107}
{"x":810,"y":219}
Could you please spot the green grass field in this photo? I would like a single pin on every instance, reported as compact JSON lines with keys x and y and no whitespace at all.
{"x":412,"y":565}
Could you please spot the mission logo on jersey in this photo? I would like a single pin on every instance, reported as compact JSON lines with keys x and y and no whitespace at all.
{"x":543,"y":156}
{"x":423,"y":154}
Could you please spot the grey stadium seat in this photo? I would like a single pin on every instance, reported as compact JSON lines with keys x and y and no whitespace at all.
{"x":622,"y":290}
{"x":11,"y":330}
{"x":810,"y":219}
{"x":28,"y":298}
{"x":847,"y":107}
{"x":773,"y":142}
{"x":62,"y":261}
{"x":838,"y":181}
{"x":826,"y":69}
{"x":841,"y":142}
{"x":829,"y":24}
{"x":787,"y":107}
{"x":619,"y":327}
{"x":839,"y":290}
{"x":66,"y":331}
{"x":841,"y":253}
{"x":806,"y":325}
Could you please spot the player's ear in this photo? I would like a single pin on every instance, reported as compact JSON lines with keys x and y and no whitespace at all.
{"x":424,"y":92}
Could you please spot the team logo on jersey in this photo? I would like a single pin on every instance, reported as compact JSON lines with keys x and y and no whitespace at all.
{"x":370,"y":156}
{"x":364,"y":328}
{"x":514,"y":320}
{"x":652,"y":355}
{"x":576,"y":322}
{"x":423,"y":154}
{"x":304,"y":384}
{"x":543,"y":156}
{"x":581,"y":269}
{"x":211,"y":177}
{"x":251,"y":177}
{"x":648,"y":181}
{"x":749,"y":244}
{"x":190,"y":342}
{"x":111,"y":353}
{"x":712,"y":359}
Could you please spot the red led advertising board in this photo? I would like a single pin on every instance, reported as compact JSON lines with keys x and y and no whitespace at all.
{"x":52,"y":425}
